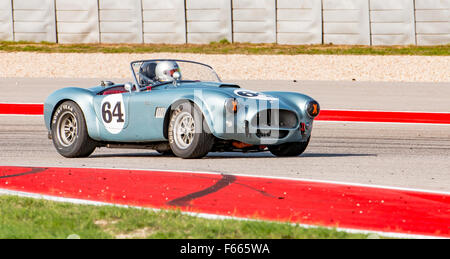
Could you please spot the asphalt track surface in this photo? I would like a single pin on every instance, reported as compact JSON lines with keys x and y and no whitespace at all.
{"x":400,"y":155}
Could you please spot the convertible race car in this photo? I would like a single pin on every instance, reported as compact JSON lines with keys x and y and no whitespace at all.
{"x":178,"y":107}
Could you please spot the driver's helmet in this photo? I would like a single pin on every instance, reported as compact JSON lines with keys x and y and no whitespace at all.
{"x":165,"y":69}
{"x":147,"y":73}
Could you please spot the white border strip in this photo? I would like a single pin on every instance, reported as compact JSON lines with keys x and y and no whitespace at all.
{"x":208,"y":216}
{"x":383,"y":122}
{"x":383,"y":111}
{"x":20,"y":103}
{"x":21,"y":115}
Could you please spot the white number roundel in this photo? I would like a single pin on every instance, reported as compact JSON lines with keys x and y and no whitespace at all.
{"x":113,"y":113}
{"x":253,"y":95}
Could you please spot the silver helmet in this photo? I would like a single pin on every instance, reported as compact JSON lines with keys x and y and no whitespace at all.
{"x":165,"y":69}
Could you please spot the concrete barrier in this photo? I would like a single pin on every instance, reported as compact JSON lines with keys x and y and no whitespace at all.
{"x":254,"y":21}
{"x":346,"y":22}
{"x":392,"y":22}
{"x":164,"y":21}
{"x":120,"y":21}
{"x":208,"y":21}
{"x":299,"y":22}
{"x":362,"y":22}
{"x":77,"y":21}
{"x":34,"y":20}
{"x":432,"y":22}
{"x":6,"y":20}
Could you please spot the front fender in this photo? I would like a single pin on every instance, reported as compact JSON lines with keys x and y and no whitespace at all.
{"x":84,"y":98}
{"x":293,"y":99}
{"x":211,"y":104}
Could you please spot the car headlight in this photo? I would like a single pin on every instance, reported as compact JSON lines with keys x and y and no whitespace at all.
{"x":313,"y":109}
{"x":231,"y":105}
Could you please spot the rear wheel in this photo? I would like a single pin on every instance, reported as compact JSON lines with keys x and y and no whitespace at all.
{"x":189,"y":136}
{"x":69,"y":131}
{"x":289,"y":149}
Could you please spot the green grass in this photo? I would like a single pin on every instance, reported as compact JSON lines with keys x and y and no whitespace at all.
{"x":225,"y":47}
{"x":30,"y":218}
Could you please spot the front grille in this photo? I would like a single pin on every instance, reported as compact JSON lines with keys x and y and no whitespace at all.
{"x":279,"y":134}
{"x":274,"y":118}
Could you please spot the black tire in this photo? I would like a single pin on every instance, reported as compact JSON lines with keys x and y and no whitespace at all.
{"x":74,"y":141}
{"x":198,"y":141}
{"x":289,"y":149}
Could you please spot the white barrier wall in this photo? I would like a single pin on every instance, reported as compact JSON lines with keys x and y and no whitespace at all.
{"x":34,"y":20}
{"x":77,"y":21}
{"x":299,"y":22}
{"x":164,"y":21}
{"x":392,"y":22}
{"x":346,"y":22}
{"x":6,"y":20}
{"x":120,"y":21}
{"x":254,"y":21}
{"x":208,"y":21}
{"x":433,"y":22}
{"x":362,"y":22}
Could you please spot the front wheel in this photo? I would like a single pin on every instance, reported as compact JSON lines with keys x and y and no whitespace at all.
{"x":189,"y":136}
{"x":69,"y":131}
{"x":289,"y":149}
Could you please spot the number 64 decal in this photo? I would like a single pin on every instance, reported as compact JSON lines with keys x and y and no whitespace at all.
{"x":107,"y":115}
{"x":113,"y":113}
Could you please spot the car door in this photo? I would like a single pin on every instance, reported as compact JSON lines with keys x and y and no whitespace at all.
{"x":147,"y":110}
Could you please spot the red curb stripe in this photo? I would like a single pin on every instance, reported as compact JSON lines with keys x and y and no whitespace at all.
{"x":325,"y":115}
{"x":384,"y":116}
{"x":305,"y":202}
{"x":21,"y":109}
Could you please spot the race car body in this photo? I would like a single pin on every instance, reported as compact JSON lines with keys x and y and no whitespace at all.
{"x":190,"y":113}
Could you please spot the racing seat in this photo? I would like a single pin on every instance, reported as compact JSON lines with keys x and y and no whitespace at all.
{"x":146,"y":72}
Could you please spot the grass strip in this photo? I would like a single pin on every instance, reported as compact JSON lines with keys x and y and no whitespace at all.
{"x":224,"y":47}
{"x":32,"y":218}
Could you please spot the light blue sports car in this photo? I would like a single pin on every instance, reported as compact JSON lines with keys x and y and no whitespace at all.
{"x":178,"y":107}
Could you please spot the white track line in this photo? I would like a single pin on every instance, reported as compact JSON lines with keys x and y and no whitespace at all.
{"x":382,"y":111}
{"x":20,"y":103}
{"x":207,"y":215}
{"x":380,"y":122}
{"x":21,"y":115}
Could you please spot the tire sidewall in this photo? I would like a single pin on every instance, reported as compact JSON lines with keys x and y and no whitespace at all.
{"x":81,"y":136}
{"x":200,"y":130}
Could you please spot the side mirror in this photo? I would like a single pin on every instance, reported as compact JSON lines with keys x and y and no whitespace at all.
{"x":128,"y":86}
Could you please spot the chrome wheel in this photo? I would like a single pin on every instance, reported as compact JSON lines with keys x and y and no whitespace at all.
{"x":67,"y":129}
{"x":184,"y":130}
{"x":188,"y":133}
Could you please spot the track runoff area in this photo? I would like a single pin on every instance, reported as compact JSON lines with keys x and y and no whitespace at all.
{"x":397,"y":212}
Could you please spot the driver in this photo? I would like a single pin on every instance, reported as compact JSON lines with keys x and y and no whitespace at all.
{"x":147,"y":73}
{"x":165,"y":69}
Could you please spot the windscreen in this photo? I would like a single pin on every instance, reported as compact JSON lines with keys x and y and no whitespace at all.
{"x":146,"y":71}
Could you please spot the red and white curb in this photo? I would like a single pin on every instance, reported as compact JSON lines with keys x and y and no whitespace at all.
{"x":358,"y":208}
{"x":325,"y":115}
